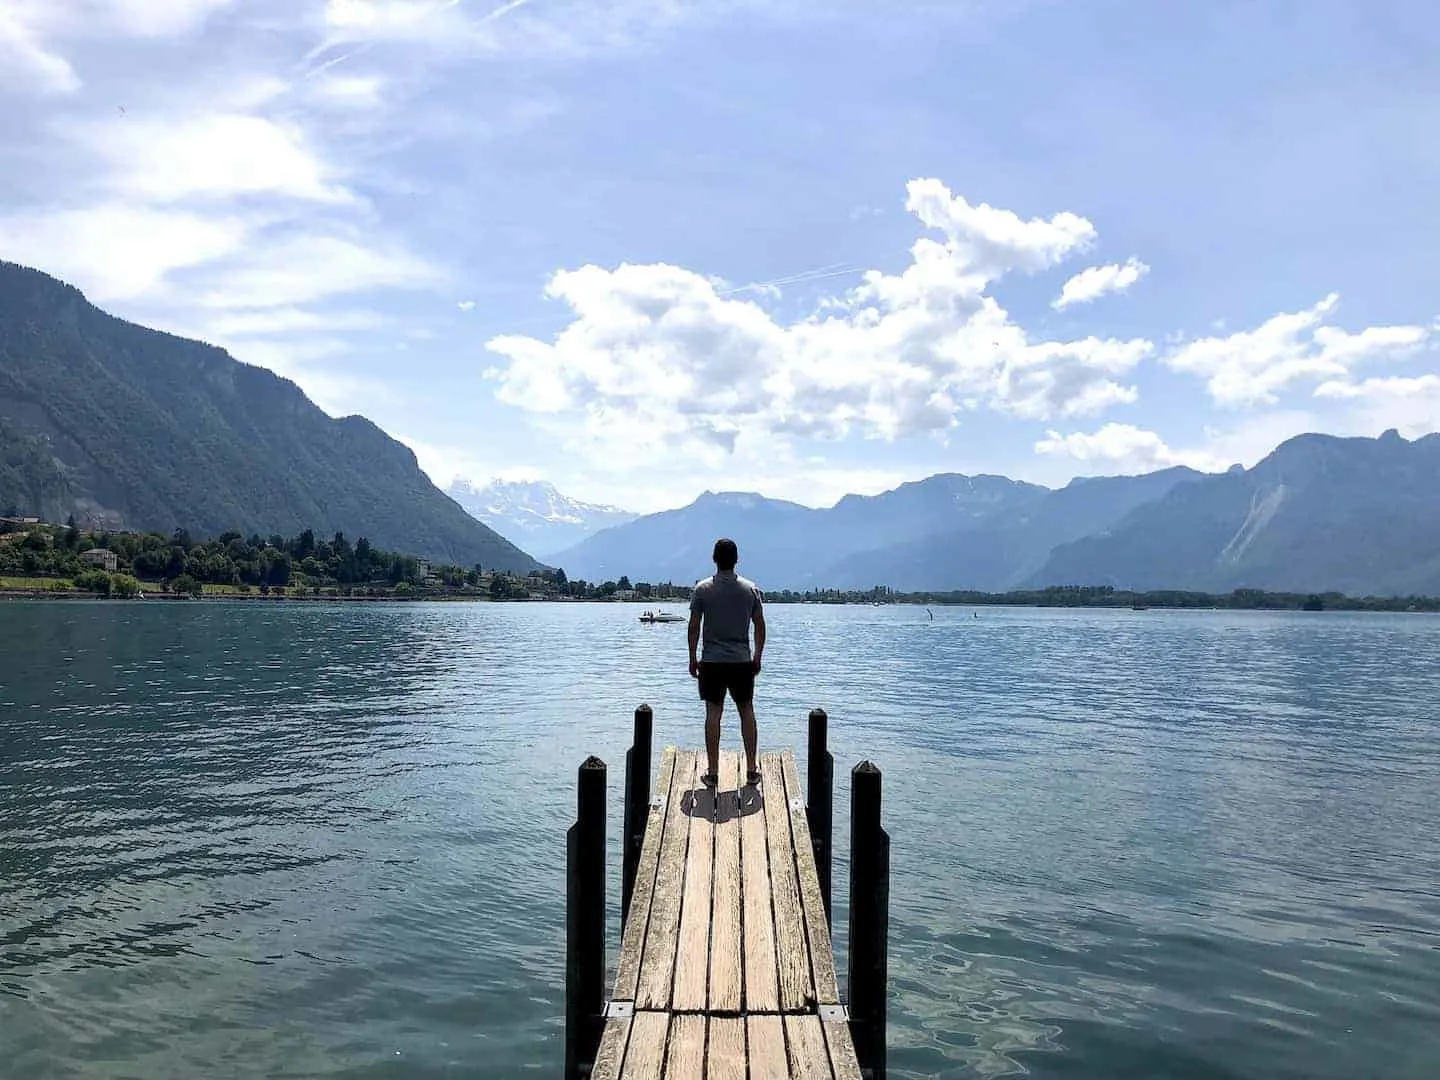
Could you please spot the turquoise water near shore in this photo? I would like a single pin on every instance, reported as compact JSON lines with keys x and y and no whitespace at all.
{"x":317,"y":840}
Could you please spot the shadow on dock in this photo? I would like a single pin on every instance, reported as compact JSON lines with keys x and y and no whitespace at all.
{"x":722,"y":806}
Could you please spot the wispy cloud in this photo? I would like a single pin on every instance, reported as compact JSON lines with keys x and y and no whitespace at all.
{"x":1094,"y":282}
{"x":25,"y":62}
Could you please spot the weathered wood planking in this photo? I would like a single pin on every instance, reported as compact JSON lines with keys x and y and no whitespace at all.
{"x":766,"y":1054}
{"x":842,"y":1050}
{"x":808,"y":1053}
{"x":726,"y":954}
{"x":645,"y":1056}
{"x":657,"y":963}
{"x":726,"y":1059}
{"x":726,"y":948}
{"x":692,"y":958}
{"x":611,"y":1055}
{"x":822,"y":956}
{"x":762,"y":990}
{"x":797,"y":989}
{"x":632,"y":938}
{"x":686,"y":1059}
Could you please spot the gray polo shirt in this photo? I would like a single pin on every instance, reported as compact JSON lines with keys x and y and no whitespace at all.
{"x":726,"y":603}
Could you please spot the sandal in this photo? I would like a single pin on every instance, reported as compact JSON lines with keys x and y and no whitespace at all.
{"x":753,"y":777}
{"x":710,"y":780}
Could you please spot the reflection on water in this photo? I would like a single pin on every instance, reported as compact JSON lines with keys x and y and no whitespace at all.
{"x":309,"y":840}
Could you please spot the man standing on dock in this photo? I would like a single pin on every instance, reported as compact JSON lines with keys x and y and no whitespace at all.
{"x":723,"y":607}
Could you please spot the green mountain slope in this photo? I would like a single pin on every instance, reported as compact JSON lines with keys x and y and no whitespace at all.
{"x":134,"y":428}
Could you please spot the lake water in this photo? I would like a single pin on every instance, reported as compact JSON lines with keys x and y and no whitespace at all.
{"x":254,"y":840}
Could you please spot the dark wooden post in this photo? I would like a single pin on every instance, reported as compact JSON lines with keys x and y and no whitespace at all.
{"x":869,"y":919}
{"x":820,"y":801}
{"x":585,"y":922}
{"x":637,"y":804}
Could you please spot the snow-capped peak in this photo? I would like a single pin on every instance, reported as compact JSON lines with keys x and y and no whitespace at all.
{"x":534,"y":514}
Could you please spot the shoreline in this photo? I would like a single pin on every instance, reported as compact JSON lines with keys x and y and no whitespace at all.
{"x":16,"y":595}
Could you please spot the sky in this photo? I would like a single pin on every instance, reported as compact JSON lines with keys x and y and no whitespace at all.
{"x":646,"y":248}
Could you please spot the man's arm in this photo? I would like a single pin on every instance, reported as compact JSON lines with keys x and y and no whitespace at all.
{"x":694,"y":634}
{"x":758,"y":618}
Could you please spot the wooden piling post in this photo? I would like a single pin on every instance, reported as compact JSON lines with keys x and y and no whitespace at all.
{"x":637,"y":803}
{"x":820,"y":801}
{"x":869,"y":920}
{"x":585,"y":922}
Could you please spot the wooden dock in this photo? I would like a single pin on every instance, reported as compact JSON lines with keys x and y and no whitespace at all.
{"x":726,"y":968}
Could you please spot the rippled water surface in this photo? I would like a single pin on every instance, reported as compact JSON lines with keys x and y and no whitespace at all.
{"x":251,"y":840}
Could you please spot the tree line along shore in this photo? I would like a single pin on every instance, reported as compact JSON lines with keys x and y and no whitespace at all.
{"x":38,"y":559}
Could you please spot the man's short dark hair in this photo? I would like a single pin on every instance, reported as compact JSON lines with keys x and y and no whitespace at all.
{"x":726,"y":554}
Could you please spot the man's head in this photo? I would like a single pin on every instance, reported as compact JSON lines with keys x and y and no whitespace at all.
{"x":726,"y":554}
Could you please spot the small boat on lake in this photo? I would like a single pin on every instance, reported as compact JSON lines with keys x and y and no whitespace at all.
{"x":660,"y":616}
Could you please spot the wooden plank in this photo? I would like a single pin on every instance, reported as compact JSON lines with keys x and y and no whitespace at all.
{"x":809,"y":1057}
{"x":645,"y":1056}
{"x":686,"y":1058}
{"x":726,"y":1057}
{"x":842,"y":1050}
{"x":797,"y":984}
{"x":657,"y":965}
{"x":822,"y":955}
{"x":611,"y":1055}
{"x":767,"y":1048}
{"x":725,"y":945}
{"x":632,"y":937}
{"x":692,"y":958}
{"x":762,"y":992}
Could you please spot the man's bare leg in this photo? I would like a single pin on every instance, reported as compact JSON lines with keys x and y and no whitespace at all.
{"x":748,"y":735}
{"x":713,"y":709}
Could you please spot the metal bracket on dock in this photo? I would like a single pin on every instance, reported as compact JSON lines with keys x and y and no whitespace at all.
{"x":619,"y":1010}
{"x":829,"y":1013}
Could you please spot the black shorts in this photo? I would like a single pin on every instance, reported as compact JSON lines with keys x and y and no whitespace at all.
{"x":738,"y":678}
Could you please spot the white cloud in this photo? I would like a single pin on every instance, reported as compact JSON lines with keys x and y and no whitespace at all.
{"x":31,"y":32}
{"x":1253,"y":366}
{"x":306,"y":268}
{"x":118,"y":252}
{"x":348,"y":91}
{"x":216,"y":156}
{"x":1096,"y":281}
{"x":466,"y":305}
{"x":25,"y":62}
{"x":1114,"y":444}
{"x":402,"y":20}
{"x":1409,"y":404}
{"x":445,"y":463}
{"x":657,"y":359}
{"x":157,"y":18}
{"x":1125,"y":448}
{"x":272,"y":321}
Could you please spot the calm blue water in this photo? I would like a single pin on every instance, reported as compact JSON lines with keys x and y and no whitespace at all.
{"x":304,"y":840}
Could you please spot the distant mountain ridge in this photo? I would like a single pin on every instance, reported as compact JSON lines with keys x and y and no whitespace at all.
{"x":1355,"y":515}
{"x":127,"y":427}
{"x":786,"y":544}
{"x":534,"y":515}
{"x":1319,"y":513}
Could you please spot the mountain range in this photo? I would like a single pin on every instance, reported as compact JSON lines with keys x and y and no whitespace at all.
{"x":533,"y":515}
{"x":126,"y":427}
{"x":1319,"y":513}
